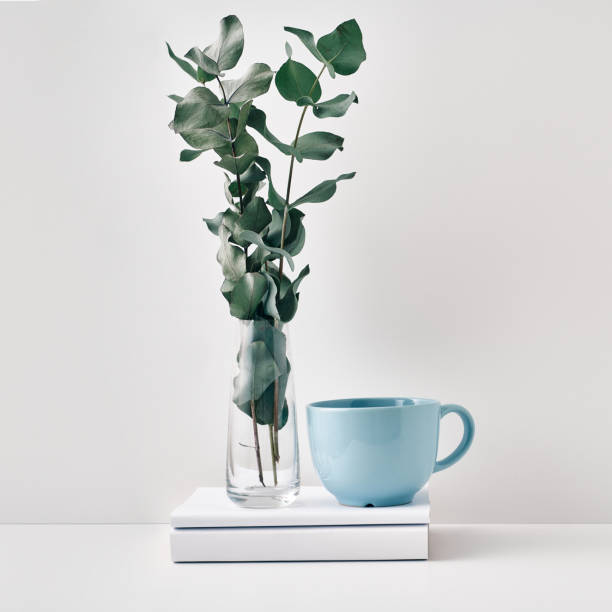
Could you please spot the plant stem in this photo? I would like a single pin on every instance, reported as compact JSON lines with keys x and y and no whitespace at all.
{"x":275,"y":425}
{"x":282,"y":244}
{"x":273,"y":453}
{"x":290,"y":178}
{"x":229,"y":130}
{"x":257,"y":449}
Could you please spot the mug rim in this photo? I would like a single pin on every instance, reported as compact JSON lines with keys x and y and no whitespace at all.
{"x":379,"y":403}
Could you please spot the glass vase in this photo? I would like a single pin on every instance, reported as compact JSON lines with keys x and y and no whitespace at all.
{"x":263,"y":468}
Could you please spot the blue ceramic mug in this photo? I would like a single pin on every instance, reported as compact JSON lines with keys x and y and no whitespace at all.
{"x":380,"y":451}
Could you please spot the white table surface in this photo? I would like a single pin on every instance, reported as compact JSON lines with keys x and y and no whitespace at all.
{"x":472,"y":567}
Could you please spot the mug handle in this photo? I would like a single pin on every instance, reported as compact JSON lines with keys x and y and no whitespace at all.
{"x":466,"y":441}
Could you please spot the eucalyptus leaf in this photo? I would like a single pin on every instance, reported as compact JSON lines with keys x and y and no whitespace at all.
{"x":269,"y":303}
{"x":184,"y":65}
{"x":208,"y":65}
{"x":175,"y":98}
{"x":254,"y":238}
{"x":288,"y":50}
{"x":246,"y":151}
{"x":231,"y":257}
{"x":304,"y":272}
{"x":323,"y":191}
{"x":226,"y":289}
{"x":336,"y":107}
{"x":205,"y":139}
{"x":255,"y":82}
{"x":258,"y":370}
{"x":287,"y":306}
{"x":274,"y":339}
{"x":295,"y":232}
{"x":255,"y":260}
{"x":308,"y":41}
{"x":264,"y":406}
{"x":247,"y":294}
{"x":243,"y":115}
{"x":199,"y":109}
{"x":250,"y":182}
{"x":226,"y":51}
{"x":257,"y":120}
{"x":274,"y":199}
{"x":188,"y":155}
{"x":276,"y":227}
{"x":214,"y":223}
{"x":319,"y":145}
{"x":253,"y":174}
{"x":256,"y":217}
{"x":229,"y":196}
{"x":343,"y":48}
{"x":289,"y":297}
{"x":295,"y":80}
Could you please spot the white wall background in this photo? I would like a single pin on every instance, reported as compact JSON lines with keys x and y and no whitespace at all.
{"x":468,"y":261}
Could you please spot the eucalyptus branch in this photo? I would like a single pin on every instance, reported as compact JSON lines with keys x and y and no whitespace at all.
{"x":252,"y":285}
{"x":282,"y":245}
{"x":229,"y":130}
{"x":286,"y":211}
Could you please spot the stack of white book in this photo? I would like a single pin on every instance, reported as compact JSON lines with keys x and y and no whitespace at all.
{"x":209,"y":527}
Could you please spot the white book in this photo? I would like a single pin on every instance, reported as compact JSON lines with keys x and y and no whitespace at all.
{"x":331,"y":543}
{"x":209,"y":527}
{"x":210,"y":507}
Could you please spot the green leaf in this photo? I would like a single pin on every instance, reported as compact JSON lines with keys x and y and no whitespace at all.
{"x":226,"y":289}
{"x":295,"y":232}
{"x":254,"y":83}
{"x":214,"y":223}
{"x":257,"y":120}
{"x":175,"y":98}
{"x":276,"y":227}
{"x":274,"y":199}
{"x":247,"y":294}
{"x":323,"y":191}
{"x":231,"y":257}
{"x":226,"y":51}
{"x":250,"y":183}
{"x":289,"y":298}
{"x":229,"y":196}
{"x":319,"y":145}
{"x":199,"y":109}
{"x":287,"y":306}
{"x":243,"y":115}
{"x":258,"y":370}
{"x":205,"y":139}
{"x":254,"y":238}
{"x":288,"y":50}
{"x":256,"y":217}
{"x":246,"y":152}
{"x":295,"y":80}
{"x":185,"y":66}
{"x":304,"y":272}
{"x":264,"y":406}
{"x":343,"y":48}
{"x":273,"y":338}
{"x":269,"y":304}
{"x":308,"y":41}
{"x":336,"y":107}
{"x":208,"y":66}
{"x":188,"y":155}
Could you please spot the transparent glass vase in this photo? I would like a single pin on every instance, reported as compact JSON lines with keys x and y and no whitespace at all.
{"x":263,"y":469}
